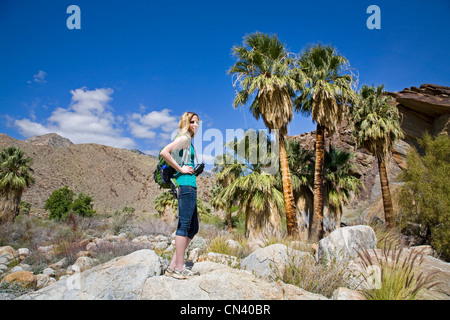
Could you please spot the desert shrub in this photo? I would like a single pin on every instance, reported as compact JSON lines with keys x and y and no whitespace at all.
{"x":82,"y":205}
{"x":26,"y":231}
{"x":387,"y":236}
{"x":122,"y":220}
{"x":108,"y":251}
{"x":24,"y":207}
{"x":218,"y":244}
{"x":59,"y":202}
{"x":274,"y":239}
{"x":14,"y":290}
{"x":425,"y":196}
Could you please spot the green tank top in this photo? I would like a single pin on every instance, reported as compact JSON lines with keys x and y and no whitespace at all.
{"x":187,"y":179}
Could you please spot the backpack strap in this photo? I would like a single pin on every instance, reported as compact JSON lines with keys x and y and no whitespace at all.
{"x":195,"y":153}
{"x":186,"y":155}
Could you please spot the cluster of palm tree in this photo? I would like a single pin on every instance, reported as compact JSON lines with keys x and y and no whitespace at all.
{"x":16,"y":174}
{"x":319,"y":83}
{"x":340,"y":183}
{"x":259,"y":197}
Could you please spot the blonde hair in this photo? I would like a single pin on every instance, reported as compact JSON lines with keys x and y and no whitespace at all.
{"x":185,"y":121}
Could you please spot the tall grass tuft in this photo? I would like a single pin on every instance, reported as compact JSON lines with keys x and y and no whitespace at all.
{"x":321,"y":277}
{"x":393,"y":275}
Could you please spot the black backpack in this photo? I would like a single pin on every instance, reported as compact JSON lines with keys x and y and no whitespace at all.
{"x":163,"y":173}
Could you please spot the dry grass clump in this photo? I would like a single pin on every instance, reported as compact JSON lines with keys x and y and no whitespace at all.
{"x":321,"y":277}
{"x":393,"y":275}
{"x":108,"y":251}
{"x":387,"y":236}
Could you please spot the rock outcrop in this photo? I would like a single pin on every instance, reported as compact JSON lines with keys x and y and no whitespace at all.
{"x":119,"y":279}
{"x":269,"y":262}
{"x":220,"y":282}
{"x":50,"y":139}
{"x":137,"y":276}
{"x":424,"y":109}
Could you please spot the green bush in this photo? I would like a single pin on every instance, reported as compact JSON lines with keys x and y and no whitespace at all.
{"x":59,"y":202}
{"x":24,"y":207}
{"x":425,"y":196}
{"x":83,"y":205}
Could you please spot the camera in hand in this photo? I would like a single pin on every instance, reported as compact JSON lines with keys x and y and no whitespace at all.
{"x":199,"y":169}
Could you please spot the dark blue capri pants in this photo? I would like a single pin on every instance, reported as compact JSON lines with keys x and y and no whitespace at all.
{"x":187,"y":212}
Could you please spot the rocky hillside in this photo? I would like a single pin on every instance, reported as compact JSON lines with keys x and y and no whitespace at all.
{"x":423,"y":109}
{"x":114,"y":177}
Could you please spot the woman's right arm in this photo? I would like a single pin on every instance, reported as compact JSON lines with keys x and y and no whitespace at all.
{"x":167,"y":151}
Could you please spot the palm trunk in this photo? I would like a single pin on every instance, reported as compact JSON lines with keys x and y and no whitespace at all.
{"x":316,"y":232}
{"x":304,"y":212}
{"x":386,"y":194}
{"x":288,"y":194}
{"x":261,"y":225}
{"x":228,"y":213}
{"x":9,"y":204}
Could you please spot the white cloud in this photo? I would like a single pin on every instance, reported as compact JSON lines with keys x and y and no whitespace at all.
{"x":148,"y":125}
{"x":39,"y":77}
{"x":160,"y":119}
{"x":88,"y":119}
{"x":29,"y":128}
{"x":140,"y":131}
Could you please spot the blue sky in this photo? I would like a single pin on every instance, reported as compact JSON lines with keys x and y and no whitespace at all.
{"x":134,"y":67}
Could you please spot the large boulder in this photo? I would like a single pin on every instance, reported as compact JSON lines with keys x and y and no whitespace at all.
{"x":344,"y":243}
{"x":220,"y":282}
{"x":7,"y":254}
{"x":26,"y":279}
{"x":137,"y":277}
{"x":269,"y":262}
{"x":119,"y":279}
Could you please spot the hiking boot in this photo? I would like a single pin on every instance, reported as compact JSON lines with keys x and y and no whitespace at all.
{"x":184,"y":273}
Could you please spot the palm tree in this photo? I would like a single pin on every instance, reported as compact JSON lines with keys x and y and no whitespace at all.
{"x":340,"y":183}
{"x":255,"y":192}
{"x":328,"y":88}
{"x":264,"y":74}
{"x":377,"y":126}
{"x":261,"y":202}
{"x":15,"y":176}
{"x":301,"y":167}
{"x":218,"y":203}
{"x":226,"y":173}
{"x":166,"y":204}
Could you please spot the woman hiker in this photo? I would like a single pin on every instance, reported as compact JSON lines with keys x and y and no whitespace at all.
{"x":180,"y":155}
